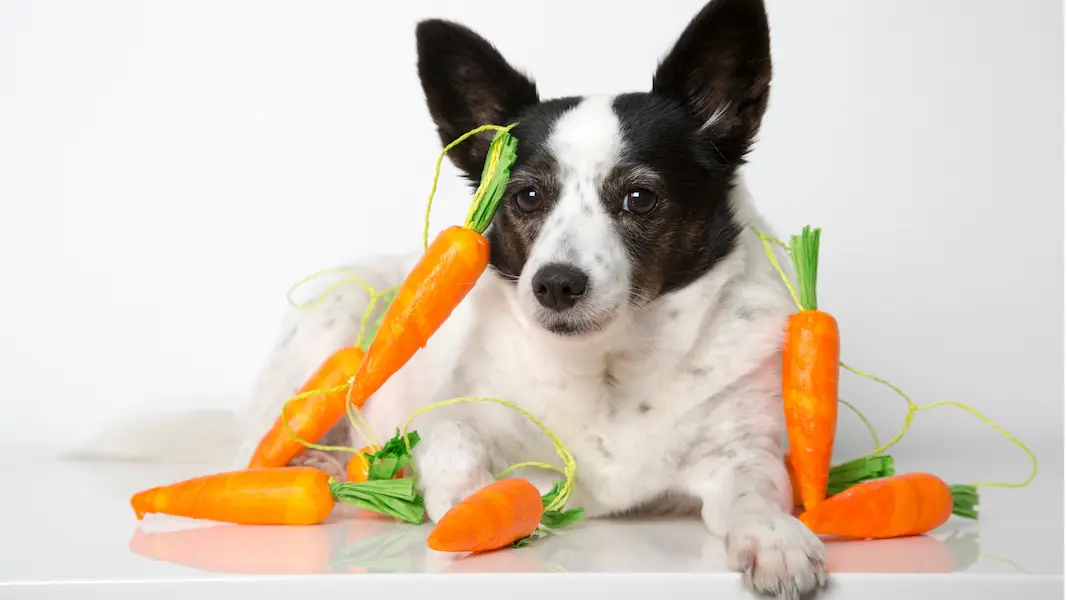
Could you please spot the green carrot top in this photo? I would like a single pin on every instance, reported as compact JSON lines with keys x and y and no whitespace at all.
{"x":495,"y":175}
{"x":804,"y":249}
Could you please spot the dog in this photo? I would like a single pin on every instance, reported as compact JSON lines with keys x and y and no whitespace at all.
{"x":628,"y":305}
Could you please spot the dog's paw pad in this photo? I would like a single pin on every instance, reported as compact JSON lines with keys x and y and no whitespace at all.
{"x":777,"y":555}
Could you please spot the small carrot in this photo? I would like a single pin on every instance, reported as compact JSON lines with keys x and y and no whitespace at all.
{"x":310,"y":417}
{"x":288,"y":495}
{"x":495,"y":516}
{"x":441,"y":279}
{"x":505,"y":512}
{"x":810,"y":362}
{"x":358,"y":466}
{"x":897,"y":506}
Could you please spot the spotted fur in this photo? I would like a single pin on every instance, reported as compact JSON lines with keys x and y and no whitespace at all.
{"x":660,"y":371}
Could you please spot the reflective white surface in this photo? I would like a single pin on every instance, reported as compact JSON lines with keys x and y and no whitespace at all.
{"x":69,"y":531}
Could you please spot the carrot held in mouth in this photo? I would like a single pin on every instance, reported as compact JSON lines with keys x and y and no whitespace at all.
{"x":897,"y":506}
{"x":810,"y":364}
{"x":446,"y":272}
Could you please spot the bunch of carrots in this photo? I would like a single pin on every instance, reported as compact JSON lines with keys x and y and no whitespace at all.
{"x":506,"y":512}
{"x":864,"y":498}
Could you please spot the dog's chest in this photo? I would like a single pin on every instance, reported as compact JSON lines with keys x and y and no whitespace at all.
{"x":621,"y":425}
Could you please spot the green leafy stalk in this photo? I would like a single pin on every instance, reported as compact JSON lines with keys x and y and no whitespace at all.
{"x":392,"y":497}
{"x":805,"y":252}
{"x":964,"y":501}
{"x":392,"y":457}
{"x":381,"y":493}
{"x":552,"y":519}
{"x":495,"y":175}
{"x":846,"y":475}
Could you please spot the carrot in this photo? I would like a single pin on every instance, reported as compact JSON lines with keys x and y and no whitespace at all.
{"x":810,"y":362}
{"x":281,"y":496}
{"x":443,"y":276}
{"x":896,"y":506}
{"x":358,"y":466}
{"x":505,"y":512}
{"x":495,"y":516}
{"x":288,"y":495}
{"x":311,"y":417}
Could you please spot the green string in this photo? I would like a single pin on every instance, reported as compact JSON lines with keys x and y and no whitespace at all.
{"x":482,"y":188}
{"x":912,"y":406}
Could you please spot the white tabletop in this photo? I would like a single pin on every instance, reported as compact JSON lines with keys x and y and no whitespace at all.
{"x":69,"y":531}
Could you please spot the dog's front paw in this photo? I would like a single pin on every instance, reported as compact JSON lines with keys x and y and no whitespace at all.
{"x":777,"y":554}
{"x":440,"y":496}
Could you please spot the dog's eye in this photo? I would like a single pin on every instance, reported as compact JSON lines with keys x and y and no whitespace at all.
{"x":528,"y":200}
{"x":639,"y":202}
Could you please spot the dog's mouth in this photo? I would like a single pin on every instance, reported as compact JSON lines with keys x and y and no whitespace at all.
{"x":574,"y":323}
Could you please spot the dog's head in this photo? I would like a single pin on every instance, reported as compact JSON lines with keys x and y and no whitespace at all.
{"x":613,"y":201}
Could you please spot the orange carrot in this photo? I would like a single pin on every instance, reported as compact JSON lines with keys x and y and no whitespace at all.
{"x":897,"y":506}
{"x":445,"y":273}
{"x":432,"y":290}
{"x":289,"y":495}
{"x":495,"y":516}
{"x":311,"y":417}
{"x":358,"y":466}
{"x":810,"y":362}
{"x":282,"y":496}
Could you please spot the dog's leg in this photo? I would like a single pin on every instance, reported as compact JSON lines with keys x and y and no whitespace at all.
{"x":746,"y":500}
{"x":453,"y":462}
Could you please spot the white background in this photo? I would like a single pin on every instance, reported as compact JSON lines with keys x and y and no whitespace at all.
{"x":168,"y":169}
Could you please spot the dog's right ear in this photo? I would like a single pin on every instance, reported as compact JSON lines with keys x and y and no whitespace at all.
{"x":468,"y":84}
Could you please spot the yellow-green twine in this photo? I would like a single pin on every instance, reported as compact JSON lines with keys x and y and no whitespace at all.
{"x":570,"y":467}
{"x":437,"y":175}
{"x":912,"y":406}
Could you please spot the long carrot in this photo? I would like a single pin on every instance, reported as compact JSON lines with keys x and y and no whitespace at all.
{"x":443,"y":276}
{"x":902,"y":505}
{"x":505,"y":512}
{"x":810,"y":363}
{"x":312,"y":416}
{"x":288,"y":495}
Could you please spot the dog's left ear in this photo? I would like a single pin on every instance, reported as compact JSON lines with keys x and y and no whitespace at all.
{"x":720,"y":69}
{"x":468,"y":83}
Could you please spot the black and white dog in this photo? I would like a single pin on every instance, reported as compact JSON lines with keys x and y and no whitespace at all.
{"x":627,"y":306}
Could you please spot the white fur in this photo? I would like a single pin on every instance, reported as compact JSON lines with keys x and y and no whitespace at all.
{"x":673,"y":405}
{"x":586,"y":143}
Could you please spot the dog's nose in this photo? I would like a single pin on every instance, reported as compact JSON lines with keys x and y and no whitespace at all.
{"x":558,"y":287}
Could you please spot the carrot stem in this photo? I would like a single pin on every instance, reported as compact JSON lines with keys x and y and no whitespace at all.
{"x":805,"y":254}
{"x":495,"y":175}
{"x":848,"y":474}
{"x":393,"y":497}
{"x":964,"y":500}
